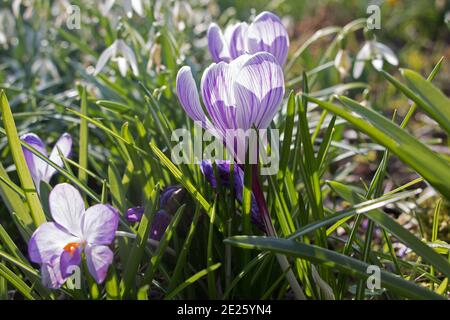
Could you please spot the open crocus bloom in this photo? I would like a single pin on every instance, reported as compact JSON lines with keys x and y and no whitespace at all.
{"x":376,"y":52}
{"x":121,"y":53}
{"x":265,"y":34}
{"x":244,"y":94}
{"x":58,"y":245}
{"x":39,"y":169}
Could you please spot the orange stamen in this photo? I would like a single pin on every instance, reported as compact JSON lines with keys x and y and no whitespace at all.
{"x":71,"y":247}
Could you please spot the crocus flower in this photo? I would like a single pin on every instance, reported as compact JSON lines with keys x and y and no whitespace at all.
{"x":58,"y":245}
{"x":134,"y":214}
{"x":39,"y":169}
{"x":223,"y":172}
{"x":121,"y":53}
{"x":243,"y":94}
{"x":128,"y":5}
{"x":265,"y":34}
{"x":171,"y":198}
{"x":159,"y":225}
{"x":375,"y":52}
{"x":160,"y":222}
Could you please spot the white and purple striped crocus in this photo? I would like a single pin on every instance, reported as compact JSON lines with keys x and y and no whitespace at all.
{"x":265,"y":34}
{"x":39,"y":169}
{"x":58,"y":246}
{"x":243,"y":94}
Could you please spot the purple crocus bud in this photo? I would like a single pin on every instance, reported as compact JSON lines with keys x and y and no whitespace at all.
{"x":246,"y":92}
{"x":159,"y":224}
{"x":224,"y":171}
{"x":134,"y":214}
{"x":265,"y":34}
{"x":39,"y":169}
{"x":171,"y":198}
{"x":58,"y":245}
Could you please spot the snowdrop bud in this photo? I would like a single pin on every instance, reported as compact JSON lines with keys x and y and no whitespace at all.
{"x":342,"y":62}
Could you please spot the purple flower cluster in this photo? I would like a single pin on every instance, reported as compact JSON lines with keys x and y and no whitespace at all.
{"x":242,"y":90}
{"x":224,"y":174}
{"x":168,"y":204}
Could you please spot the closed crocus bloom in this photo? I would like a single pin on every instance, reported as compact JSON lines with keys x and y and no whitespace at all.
{"x":171,"y":198}
{"x":243,"y":94}
{"x":159,"y":224}
{"x":134,"y":214}
{"x":265,"y":34}
{"x":121,"y":53}
{"x":39,"y":169}
{"x":223,"y":173}
{"x":58,"y":245}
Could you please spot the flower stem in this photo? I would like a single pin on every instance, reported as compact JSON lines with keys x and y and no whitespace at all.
{"x":270,"y":230}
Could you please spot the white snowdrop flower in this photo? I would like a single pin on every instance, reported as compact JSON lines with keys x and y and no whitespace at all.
{"x":45,"y":69}
{"x":120,"y":53}
{"x":7,"y":27}
{"x":376,"y":52}
{"x":128,"y":5}
{"x":342,"y":62}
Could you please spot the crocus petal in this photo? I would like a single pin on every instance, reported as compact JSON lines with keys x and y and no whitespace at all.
{"x":100,"y":224}
{"x":48,"y":241}
{"x":361,"y":58}
{"x":267,"y":33}
{"x":68,"y":260}
{"x":67,"y":208}
{"x":159,"y":224}
{"x":98,"y":259}
{"x":217,"y":93}
{"x":238,"y":40}
{"x":134,"y":214}
{"x":216,"y":44}
{"x":387,"y":53}
{"x":189,"y":98}
{"x":259,"y":89}
{"x":107,"y":54}
{"x":168,"y":195}
{"x":64,"y":145}
{"x":36,"y":165}
{"x":223,"y":171}
{"x":51,"y":276}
